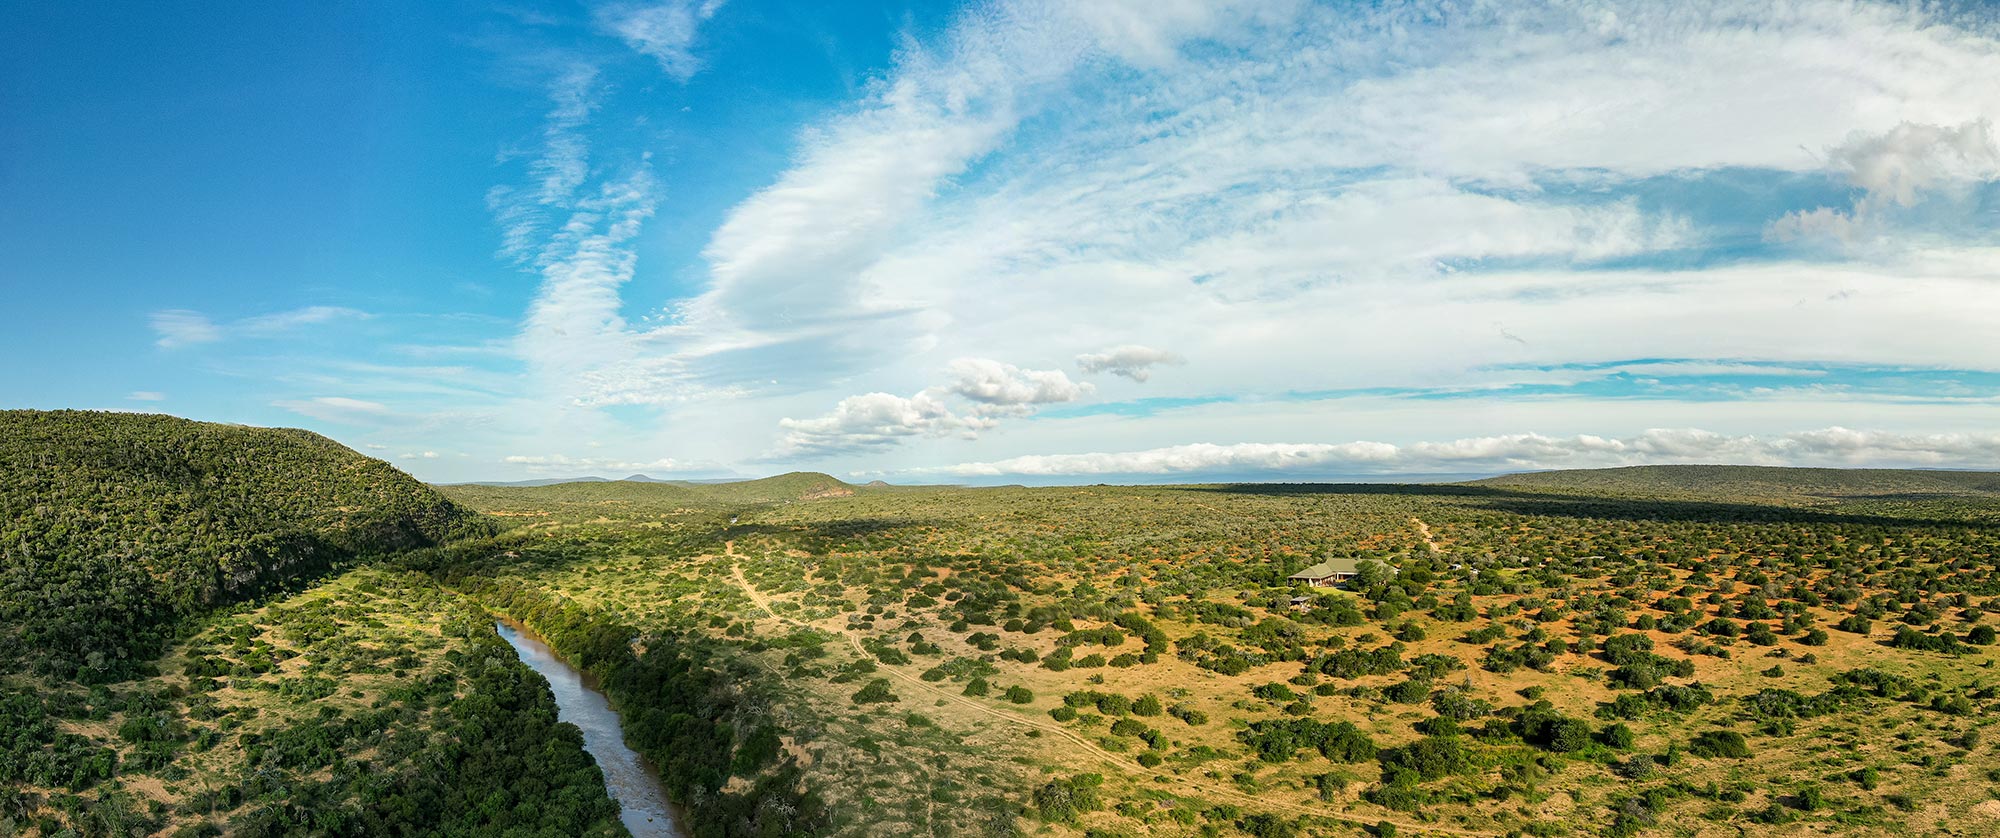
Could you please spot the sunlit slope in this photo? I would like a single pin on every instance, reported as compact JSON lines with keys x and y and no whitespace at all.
{"x":113,"y":526}
{"x":1755,"y":482}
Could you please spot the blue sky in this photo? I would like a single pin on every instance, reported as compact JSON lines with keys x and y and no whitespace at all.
{"x":1026,"y":240}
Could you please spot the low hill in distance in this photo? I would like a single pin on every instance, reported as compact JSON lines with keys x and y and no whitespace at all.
{"x":1733,"y":482}
{"x":115,"y":525}
{"x":626,"y":498}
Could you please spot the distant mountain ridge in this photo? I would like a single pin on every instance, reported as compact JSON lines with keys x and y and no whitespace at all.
{"x":115,"y":525}
{"x":633,"y":478}
{"x":1755,"y":481}
{"x":783,"y":488}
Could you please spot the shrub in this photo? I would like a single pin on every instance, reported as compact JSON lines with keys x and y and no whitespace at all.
{"x":1062,"y":800}
{"x":1147,"y":705}
{"x":876,"y":692}
{"x":1719,"y":743}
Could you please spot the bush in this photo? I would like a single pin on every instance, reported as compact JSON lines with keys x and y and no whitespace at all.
{"x":876,"y":692}
{"x":1020,"y":695}
{"x":1062,"y":800}
{"x":1719,"y":743}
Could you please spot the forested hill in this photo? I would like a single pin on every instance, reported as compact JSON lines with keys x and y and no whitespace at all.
{"x":114,"y":525}
{"x":1747,"y":482}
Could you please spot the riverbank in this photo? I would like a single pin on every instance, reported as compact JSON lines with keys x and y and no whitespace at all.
{"x":629,"y":777}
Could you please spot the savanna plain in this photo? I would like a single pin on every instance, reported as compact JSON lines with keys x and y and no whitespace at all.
{"x":218,"y":630}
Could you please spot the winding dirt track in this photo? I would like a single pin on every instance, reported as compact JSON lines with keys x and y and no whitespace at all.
{"x":1120,"y":764}
{"x":1424,"y":530}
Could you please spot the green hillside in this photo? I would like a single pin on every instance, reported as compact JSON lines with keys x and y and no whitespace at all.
{"x":618,"y":499}
{"x":1755,"y":482}
{"x":114,"y":526}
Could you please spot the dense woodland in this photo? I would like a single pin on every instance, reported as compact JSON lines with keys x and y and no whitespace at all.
{"x":1663,"y":651}
{"x":116,"y":527}
{"x":165,"y":679}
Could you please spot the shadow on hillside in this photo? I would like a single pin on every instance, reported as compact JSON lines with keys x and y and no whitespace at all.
{"x":1614,"y":508}
{"x":819,"y":533}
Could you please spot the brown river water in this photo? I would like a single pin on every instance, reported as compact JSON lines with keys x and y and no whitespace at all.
{"x":631,"y":781}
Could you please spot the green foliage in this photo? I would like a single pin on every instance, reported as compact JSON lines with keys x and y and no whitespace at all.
{"x":1062,"y":800}
{"x":875,"y":692}
{"x":1279,"y":740}
{"x":115,"y":527}
{"x":1719,"y":743}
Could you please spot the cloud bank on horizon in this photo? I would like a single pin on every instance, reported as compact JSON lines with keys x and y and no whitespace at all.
{"x":1175,"y":237}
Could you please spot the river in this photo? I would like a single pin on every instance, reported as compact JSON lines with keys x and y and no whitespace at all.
{"x":631,"y":781}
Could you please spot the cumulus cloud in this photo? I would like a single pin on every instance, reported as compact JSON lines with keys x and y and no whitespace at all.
{"x":181,"y":327}
{"x":1900,"y":165}
{"x":1131,"y":361}
{"x":1827,"y":447}
{"x":874,"y":420}
{"x":664,"y":32}
{"x":999,"y":384}
{"x":1897,"y":168}
{"x":1315,"y":197}
{"x":990,"y":389}
{"x":421,"y":455}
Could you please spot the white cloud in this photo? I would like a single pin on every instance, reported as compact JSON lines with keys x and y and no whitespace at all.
{"x":1304,"y":197}
{"x":993,"y":389}
{"x":1900,"y":165}
{"x":421,"y":455}
{"x":341,"y":409}
{"x":873,"y":420}
{"x":1897,"y":169}
{"x":1828,"y":447}
{"x":558,"y":463}
{"x":180,"y":327}
{"x":664,"y":31}
{"x":1130,"y":360}
{"x":556,"y":173}
{"x":283,"y":322}
{"x":999,"y":384}
{"x":147,"y":396}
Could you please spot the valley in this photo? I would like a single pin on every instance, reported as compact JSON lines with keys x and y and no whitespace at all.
{"x":1660,"y":651}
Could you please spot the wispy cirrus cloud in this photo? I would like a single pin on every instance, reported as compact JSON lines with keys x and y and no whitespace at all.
{"x":177,"y":328}
{"x":1430,"y":197}
{"x":664,"y":32}
{"x":338,"y":409}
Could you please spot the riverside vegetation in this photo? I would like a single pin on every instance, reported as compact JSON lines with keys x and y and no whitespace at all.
{"x":1657,"y":651}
